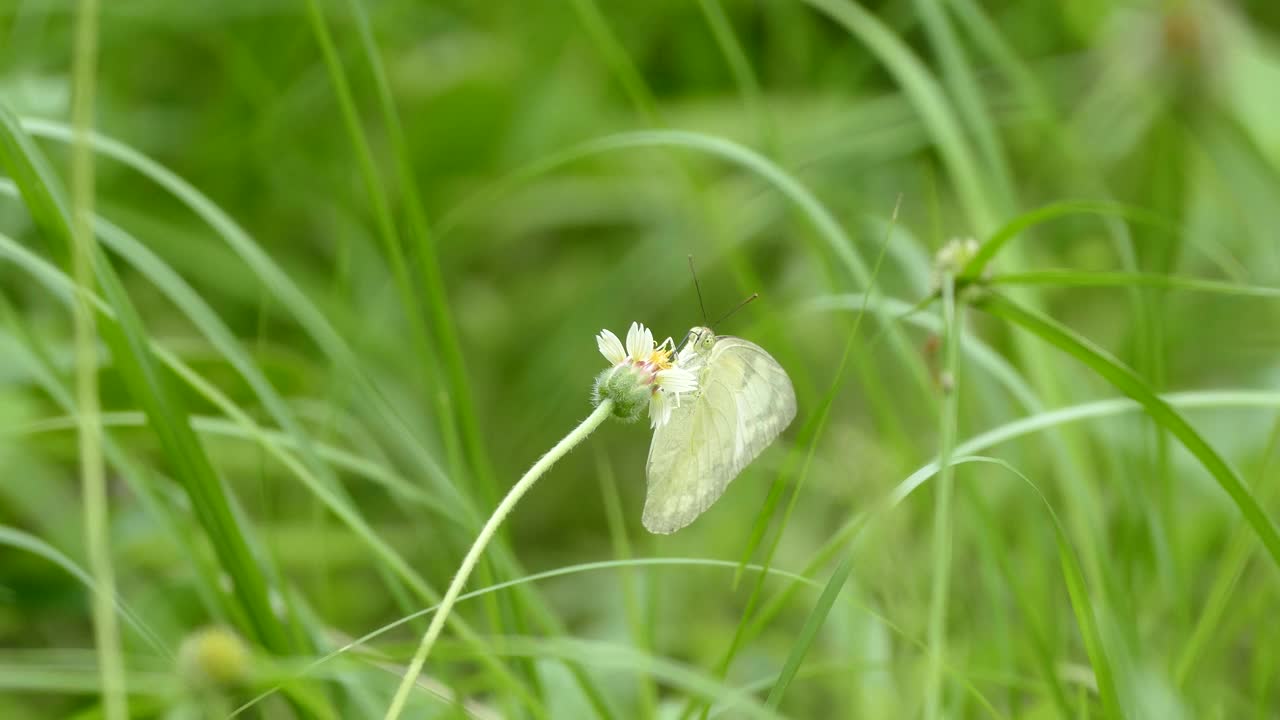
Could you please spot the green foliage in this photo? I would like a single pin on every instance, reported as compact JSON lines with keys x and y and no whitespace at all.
{"x":351,"y":256}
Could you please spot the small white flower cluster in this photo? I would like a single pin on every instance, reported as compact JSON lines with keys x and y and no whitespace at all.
{"x":952,"y":258}
{"x":643,"y":375}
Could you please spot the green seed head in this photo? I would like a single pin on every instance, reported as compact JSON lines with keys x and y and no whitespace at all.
{"x":214,"y":657}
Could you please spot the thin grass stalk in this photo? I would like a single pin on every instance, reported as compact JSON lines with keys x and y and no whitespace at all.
{"x":942,"y":517}
{"x":387,"y":232}
{"x":817,"y":616}
{"x":967,"y":94}
{"x":97,"y":522}
{"x":424,"y":248}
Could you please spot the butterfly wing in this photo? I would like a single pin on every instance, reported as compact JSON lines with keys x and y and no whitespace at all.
{"x":744,"y":400}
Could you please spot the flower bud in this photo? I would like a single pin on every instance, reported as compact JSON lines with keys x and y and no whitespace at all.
{"x":643,"y":375}
{"x":628,"y":388}
{"x":951,"y":259}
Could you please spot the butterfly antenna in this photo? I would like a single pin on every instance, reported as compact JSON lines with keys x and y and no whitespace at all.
{"x":683,"y":340}
{"x":698,"y":288}
{"x":740,"y":305}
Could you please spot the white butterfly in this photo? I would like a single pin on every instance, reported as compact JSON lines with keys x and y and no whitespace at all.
{"x":743,"y":401}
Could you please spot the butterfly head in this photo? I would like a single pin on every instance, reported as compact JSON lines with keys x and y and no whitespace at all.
{"x":699,"y":343}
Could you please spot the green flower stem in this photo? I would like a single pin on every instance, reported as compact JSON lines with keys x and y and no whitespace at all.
{"x":601,"y":413}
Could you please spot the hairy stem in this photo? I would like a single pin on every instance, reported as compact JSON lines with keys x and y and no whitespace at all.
{"x":504,"y":508}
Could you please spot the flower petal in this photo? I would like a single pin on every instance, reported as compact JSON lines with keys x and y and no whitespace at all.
{"x":639,"y":342}
{"x":677,"y":380}
{"x":611,"y":347}
{"x":633,"y":340}
{"x":659,"y":409}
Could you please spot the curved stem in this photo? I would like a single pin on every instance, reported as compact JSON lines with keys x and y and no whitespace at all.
{"x":482,"y":541}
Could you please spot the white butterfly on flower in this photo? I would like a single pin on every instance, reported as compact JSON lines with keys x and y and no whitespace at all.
{"x":650,"y":367}
{"x":714,"y":406}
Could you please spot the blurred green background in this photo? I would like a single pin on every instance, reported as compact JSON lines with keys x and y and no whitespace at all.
{"x":376,"y":239}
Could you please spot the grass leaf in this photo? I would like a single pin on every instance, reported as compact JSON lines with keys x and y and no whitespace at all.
{"x":1129,"y":383}
{"x":151,"y":390}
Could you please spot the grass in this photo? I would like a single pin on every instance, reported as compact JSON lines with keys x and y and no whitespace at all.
{"x":89,"y":431}
{"x":289,"y":309}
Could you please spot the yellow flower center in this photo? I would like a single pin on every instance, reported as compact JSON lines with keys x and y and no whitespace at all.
{"x":659,"y":359}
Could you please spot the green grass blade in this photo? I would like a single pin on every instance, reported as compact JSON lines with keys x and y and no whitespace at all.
{"x":278,"y":283}
{"x":326,"y":493}
{"x":971,"y":105}
{"x":611,"y":656}
{"x":1127,"y":382}
{"x":1230,"y":569}
{"x":813,"y":429}
{"x":424,"y":248}
{"x":993,"y":244}
{"x":26,"y":677}
{"x":838,"y":242}
{"x":930,"y":102}
{"x":641,"y":633}
{"x":740,"y":68}
{"x":1077,"y":589}
{"x":390,"y":238}
{"x":624,"y":565}
{"x":211,"y":326}
{"x":1041,"y":422}
{"x":454,"y":399}
{"x":26,"y":352}
{"x":152,"y":388}
{"x":809,"y":631}
{"x":16,"y":538}
{"x":148,"y":386}
{"x":1072,"y":574}
{"x":806,"y":444}
{"x":340,"y":459}
{"x":979,"y":352}
{"x":1035,"y":621}
{"x":809,"y":437}
{"x":616,"y":58}
{"x":340,"y":508}
{"x":308,"y":316}
{"x":1081,"y":278}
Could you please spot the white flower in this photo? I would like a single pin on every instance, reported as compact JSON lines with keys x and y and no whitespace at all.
{"x":641,"y":370}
